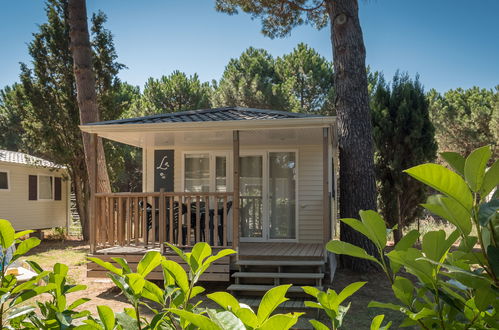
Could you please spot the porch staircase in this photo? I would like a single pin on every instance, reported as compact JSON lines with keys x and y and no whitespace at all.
{"x":257,"y":274}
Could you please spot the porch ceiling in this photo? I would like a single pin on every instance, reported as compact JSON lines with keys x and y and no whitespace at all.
{"x":218,"y":138}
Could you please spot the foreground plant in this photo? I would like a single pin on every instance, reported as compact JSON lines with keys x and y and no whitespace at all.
{"x":329,"y":302}
{"x":458,"y":289}
{"x":179,"y":286}
{"x":13,"y":293}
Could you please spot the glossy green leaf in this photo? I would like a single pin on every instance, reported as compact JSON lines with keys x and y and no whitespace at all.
{"x":106,"y":316}
{"x":311,"y":290}
{"x":207,"y":263}
{"x":490,"y":179}
{"x":248,"y":317}
{"x":271,"y":300}
{"x":340,"y":247}
{"x":23,"y":233}
{"x":226,"y":320}
{"x":377,"y":321}
{"x":360,"y":227}
{"x":76,"y":288}
{"x":198,"y":320}
{"x":199,"y":253}
{"x":106,"y":265}
{"x":410,"y":260}
{"x":318,"y":325}
{"x":280,"y":321}
{"x":225,"y":300}
{"x":178,"y":273}
{"x":152,"y":292}
{"x":346,"y":293}
{"x":403,"y":290}
{"x":375,"y":225}
{"x":26,"y":245}
{"x":407,"y":241}
{"x":78,"y":302}
{"x":444,"y":180}
{"x":149,"y":262}
{"x":376,"y":304}
{"x":474,"y":167}
{"x":123,"y":263}
{"x":7,"y":233}
{"x":455,"y":160}
{"x":136,"y":282}
{"x":451,"y":211}
{"x":435,"y":244}
{"x":493,"y":255}
{"x":488,"y":211}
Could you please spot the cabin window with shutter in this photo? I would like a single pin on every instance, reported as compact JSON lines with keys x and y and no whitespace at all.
{"x":57,"y":189}
{"x":45,"y":187}
{"x":4,"y":180}
{"x":32,"y":188}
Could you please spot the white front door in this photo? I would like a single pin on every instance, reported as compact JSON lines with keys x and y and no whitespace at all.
{"x":268,"y":196}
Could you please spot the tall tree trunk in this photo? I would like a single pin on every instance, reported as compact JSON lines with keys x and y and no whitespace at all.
{"x":397,"y":233}
{"x":357,"y":182}
{"x":79,"y":181}
{"x":85,"y":89}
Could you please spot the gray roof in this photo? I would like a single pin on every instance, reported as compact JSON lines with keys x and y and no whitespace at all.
{"x":25,"y":159}
{"x":206,"y":115}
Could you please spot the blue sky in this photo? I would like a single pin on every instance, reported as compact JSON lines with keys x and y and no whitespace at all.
{"x":450,"y":43}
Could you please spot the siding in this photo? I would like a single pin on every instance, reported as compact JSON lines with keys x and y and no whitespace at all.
{"x":310,"y":194}
{"x":25,"y":214}
{"x":310,"y":181}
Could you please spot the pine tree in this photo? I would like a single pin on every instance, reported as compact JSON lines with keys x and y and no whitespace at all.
{"x":251,"y":81}
{"x":404,"y":137}
{"x":309,"y":79}
{"x":50,"y":112}
{"x":357,"y":182}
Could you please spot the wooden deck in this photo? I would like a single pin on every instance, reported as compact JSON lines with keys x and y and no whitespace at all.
{"x":272,"y":250}
{"x":260,"y":253}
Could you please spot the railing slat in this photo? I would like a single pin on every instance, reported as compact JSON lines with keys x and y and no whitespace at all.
{"x":162,"y":227}
{"x":136,"y":220}
{"x":122,"y":218}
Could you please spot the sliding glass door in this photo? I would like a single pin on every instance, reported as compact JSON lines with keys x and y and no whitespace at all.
{"x":251,"y":192}
{"x":282,"y":195}
{"x":268,"y":196}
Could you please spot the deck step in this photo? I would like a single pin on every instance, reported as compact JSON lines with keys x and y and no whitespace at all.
{"x":280,"y":263}
{"x":279,"y":275}
{"x":262,"y":288}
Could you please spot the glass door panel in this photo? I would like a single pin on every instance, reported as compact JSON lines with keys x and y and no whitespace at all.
{"x":220,"y":174}
{"x":251,"y":192}
{"x":197,"y":173}
{"x":282,"y":195}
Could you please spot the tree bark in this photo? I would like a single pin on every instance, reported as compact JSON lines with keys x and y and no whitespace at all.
{"x":357,"y":181}
{"x":87,"y":98}
{"x":85,"y":84}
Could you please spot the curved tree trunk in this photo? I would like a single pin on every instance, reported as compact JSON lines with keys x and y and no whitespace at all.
{"x":357,"y":182}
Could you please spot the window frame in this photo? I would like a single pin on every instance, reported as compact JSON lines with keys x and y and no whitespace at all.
{"x":52,"y":198}
{"x":8,"y":180}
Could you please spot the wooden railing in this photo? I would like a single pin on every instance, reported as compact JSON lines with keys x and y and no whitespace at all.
{"x":150,"y":219}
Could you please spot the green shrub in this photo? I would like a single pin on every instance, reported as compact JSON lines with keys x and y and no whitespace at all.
{"x":456,"y":289}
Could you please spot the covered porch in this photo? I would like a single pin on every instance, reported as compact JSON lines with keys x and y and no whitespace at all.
{"x":242,"y":178}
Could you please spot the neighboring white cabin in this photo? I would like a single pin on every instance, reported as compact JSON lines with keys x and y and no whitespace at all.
{"x":34,"y":193}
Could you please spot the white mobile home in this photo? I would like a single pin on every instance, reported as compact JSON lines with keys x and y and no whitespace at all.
{"x":259,"y":181}
{"x":34,"y":193}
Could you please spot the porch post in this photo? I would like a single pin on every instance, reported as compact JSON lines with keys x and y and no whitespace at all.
{"x":93,"y":177}
{"x":326,"y":211}
{"x":235,"y":202}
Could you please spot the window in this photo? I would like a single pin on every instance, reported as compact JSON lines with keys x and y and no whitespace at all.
{"x":4,"y":180}
{"x":205,"y":172}
{"x":45,"y":187}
